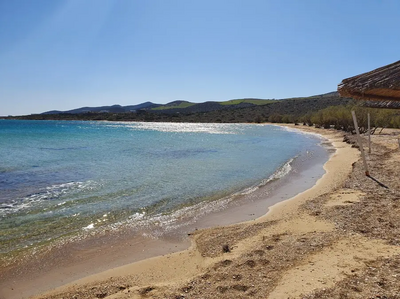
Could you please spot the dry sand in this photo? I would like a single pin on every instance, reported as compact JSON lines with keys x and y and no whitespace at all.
{"x":339,"y":239}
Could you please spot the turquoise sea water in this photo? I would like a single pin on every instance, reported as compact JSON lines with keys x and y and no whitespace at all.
{"x":62,"y":179}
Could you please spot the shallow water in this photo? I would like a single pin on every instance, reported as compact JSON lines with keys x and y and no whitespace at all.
{"x":63,"y":179}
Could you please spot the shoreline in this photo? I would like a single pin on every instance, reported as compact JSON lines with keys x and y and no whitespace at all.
{"x":69,"y":260}
{"x":279,"y":212}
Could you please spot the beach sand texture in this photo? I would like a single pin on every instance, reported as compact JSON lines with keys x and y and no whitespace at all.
{"x":339,"y":239}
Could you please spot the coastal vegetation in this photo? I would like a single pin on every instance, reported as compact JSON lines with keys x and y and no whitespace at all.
{"x":340,"y":118}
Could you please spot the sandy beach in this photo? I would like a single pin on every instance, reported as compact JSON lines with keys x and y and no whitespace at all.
{"x":338,"y":239}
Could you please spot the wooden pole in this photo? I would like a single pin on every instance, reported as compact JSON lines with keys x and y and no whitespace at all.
{"x":360,"y":143}
{"x":369,"y":133}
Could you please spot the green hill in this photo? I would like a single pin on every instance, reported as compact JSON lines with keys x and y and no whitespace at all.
{"x":250,"y":101}
{"x":174,"y":105}
{"x":237,"y":110}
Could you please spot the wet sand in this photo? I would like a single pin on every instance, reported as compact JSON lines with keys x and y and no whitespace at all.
{"x":319,"y":244}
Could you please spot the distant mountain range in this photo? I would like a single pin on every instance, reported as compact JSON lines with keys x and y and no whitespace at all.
{"x":232,"y":111}
{"x":176,"y":106}
{"x":107,"y":109}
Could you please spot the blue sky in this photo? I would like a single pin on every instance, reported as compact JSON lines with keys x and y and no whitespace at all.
{"x":65,"y":54}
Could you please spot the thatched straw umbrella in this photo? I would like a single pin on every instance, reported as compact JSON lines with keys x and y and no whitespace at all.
{"x":380,"y":87}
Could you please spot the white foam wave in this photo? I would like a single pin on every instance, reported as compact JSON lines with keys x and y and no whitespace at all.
{"x":54,"y":192}
{"x":90,"y":226}
{"x":137,"y":216}
{"x":280,"y":172}
{"x":163,"y":223}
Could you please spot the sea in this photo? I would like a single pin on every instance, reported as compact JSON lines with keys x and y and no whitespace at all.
{"x":66,"y":180}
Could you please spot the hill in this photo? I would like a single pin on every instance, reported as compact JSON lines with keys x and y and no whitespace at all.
{"x":106,"y":109}
{"x":240,"y":110}
{"x":188,"y":107}
{"x":172,"y":107}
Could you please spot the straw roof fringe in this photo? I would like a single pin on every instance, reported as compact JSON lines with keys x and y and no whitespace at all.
{"x":380,"y":104}
{"x":382,"y":85}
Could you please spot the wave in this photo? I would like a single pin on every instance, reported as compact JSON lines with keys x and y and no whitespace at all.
{"x":159,"y":224}
{"x":50,"y":193}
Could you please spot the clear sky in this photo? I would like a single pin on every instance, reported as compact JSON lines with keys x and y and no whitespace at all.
{"x":65,"y":54}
